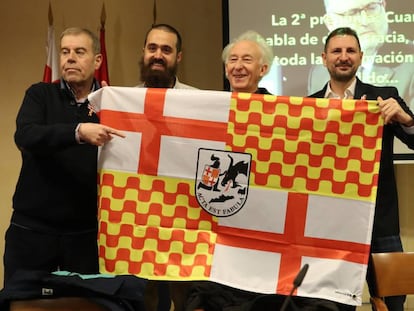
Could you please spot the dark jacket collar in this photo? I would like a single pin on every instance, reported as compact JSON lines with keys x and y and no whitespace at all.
{"x":64,"y":86}
{"x":262,"y":90}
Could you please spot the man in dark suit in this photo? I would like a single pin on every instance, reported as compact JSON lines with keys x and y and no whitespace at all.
{"x":342,"y":57}
{"x":386,"y":60}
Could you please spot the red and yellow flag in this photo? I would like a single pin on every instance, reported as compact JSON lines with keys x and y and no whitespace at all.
{"x":241,"y":189}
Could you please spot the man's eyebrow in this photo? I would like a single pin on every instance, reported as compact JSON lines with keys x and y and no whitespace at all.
{"x":160,"y":45}
{"x":76,"y":48}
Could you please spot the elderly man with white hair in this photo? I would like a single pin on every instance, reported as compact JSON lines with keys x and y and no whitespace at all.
{"x":247,"y":60}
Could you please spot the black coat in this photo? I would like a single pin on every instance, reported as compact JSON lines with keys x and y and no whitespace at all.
{"x":57,"y":187}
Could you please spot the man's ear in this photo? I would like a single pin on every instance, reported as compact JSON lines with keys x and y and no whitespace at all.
{"x":360,"y":58}
{"x":98,"y":61}
{"x":263,"y":69}
{"x":179,"y":56}
{"x":324,"y":58}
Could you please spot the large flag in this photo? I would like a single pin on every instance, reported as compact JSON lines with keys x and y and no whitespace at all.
{"x":240,"y":189}
{"x":102,"y":73}
{"x":51,"y":71}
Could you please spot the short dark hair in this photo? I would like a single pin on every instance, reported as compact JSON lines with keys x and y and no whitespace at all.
{"x":167,"y":28}
{"x":342,"y":31}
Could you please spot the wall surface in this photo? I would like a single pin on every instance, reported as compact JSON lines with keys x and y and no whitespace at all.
{"x":23,"y":29}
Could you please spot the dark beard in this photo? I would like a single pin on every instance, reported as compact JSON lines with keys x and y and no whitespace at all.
{"x":342,"y":77}
{"x":157,"y":78}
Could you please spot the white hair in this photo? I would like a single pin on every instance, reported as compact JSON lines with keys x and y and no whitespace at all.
{"x":250,"y":35}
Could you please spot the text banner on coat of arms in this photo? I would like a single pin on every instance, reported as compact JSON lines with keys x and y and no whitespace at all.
{"x":240,"y":189}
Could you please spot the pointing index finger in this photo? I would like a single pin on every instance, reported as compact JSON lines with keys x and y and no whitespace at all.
{"x":117,"y":133}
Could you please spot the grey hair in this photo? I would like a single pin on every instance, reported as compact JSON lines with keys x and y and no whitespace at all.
{"x":250,"y":35}
{"x":96,"y":45}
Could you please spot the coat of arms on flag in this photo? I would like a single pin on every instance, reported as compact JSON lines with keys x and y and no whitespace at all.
{"x":295,"y":177}
{"x":221,"y":188}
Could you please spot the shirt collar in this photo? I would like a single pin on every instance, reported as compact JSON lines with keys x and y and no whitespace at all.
{"x":349,"y":92}
{"x":65,"y":86}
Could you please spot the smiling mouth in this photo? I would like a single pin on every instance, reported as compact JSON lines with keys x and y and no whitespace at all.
{"x":343,"y":66}
{"x":157,"y":66}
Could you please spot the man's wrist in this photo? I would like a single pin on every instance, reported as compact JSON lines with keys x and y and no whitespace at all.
{"x":77,"y":136}
{"x":409,"y":124}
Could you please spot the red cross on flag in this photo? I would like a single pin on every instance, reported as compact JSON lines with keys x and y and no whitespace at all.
{"x":240,"y":189}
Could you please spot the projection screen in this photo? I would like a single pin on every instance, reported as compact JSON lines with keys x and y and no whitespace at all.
{"x":296,"y":29}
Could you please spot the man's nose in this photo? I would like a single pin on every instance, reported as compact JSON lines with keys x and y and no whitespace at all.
{"x":238,"y":64}
{"x":344,"y":55}
{"x":363,"y":17}
{"x":71,"y":56}
{"x":158,"y":53}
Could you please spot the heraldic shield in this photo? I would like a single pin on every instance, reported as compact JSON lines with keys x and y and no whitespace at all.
{"x":222,"y":181}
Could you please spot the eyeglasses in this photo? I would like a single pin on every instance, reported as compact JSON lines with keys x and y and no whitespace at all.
{"x":371,"y":9}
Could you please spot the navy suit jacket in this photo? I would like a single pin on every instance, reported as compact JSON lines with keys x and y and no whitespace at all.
{"x":386,"y":220}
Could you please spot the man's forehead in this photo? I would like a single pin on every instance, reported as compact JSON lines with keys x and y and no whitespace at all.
{"x":339,"y":6}
{"x":162,"y":37}
{"x":343,"y":40}
{"x":79,"y":40}
{"x":245,"y":48}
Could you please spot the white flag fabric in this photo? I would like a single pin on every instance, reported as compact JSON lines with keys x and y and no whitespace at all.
{"x":51,"y":71}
